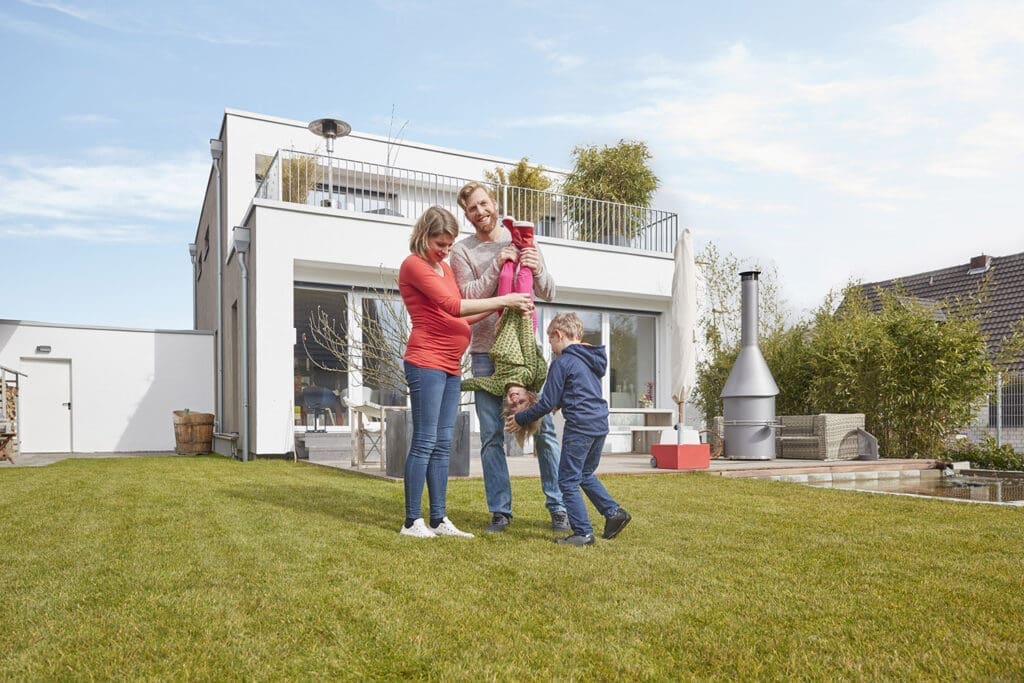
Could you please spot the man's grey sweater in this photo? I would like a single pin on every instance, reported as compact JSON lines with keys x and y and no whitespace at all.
{"x":476,"y":268}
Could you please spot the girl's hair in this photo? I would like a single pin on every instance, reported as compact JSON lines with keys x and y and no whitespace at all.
{"x":527,"y":429}
{"x":568,"y":324}
{"x":434,"y":221}
{"x":471,"y":187}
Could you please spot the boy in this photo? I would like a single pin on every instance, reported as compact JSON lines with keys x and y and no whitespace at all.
{"x":574,"y":385}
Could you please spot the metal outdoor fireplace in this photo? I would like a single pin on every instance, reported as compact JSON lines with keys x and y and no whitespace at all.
{"x":749,"y":394}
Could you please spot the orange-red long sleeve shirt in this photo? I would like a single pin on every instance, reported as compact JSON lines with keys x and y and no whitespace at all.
{"x":439,"y":336}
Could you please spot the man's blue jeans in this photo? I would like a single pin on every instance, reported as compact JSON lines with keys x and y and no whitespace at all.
{"x":434,"y":396}
{"x":581,"y":454}
{"x":497,"y":486}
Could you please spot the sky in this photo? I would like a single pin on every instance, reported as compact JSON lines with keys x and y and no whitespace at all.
{"x":831,"y":140}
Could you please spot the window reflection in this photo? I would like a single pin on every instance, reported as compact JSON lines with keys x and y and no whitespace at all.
{"x":384,"y":331}
{"x":631,"y":368}
{"x":320,"y":317}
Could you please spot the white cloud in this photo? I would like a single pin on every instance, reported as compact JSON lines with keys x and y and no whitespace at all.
{"x":561,"y":59}
{"x":88,"y":119}
{"x":134,"y":22}
{"x":876,"y":124}
{"x":988,"y":150}
{"x":969,"y":43}
{"x":102,"y":200}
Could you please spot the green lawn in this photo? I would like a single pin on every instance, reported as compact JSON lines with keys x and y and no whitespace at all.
{"x":205,"y":568}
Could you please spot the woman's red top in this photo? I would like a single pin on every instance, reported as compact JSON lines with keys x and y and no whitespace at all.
{"x":439,"y":336}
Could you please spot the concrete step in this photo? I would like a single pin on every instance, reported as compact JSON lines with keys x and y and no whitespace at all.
{"x":835,"y":470}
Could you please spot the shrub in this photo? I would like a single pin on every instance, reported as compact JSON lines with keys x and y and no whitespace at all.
{"x":987,"y":455}
{"x":525,"y":206}
{"x":616,"y":174}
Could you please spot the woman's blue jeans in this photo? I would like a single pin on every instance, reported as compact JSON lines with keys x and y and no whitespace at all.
{"x":434,"y":395}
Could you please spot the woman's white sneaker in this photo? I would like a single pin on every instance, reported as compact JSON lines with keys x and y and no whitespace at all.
{"x":419,"y":529}
{"x":446,"y":528}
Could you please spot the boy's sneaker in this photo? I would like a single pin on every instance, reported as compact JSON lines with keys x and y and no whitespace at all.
{"x":615,"y":522}
{"x":498,"y":523}
{"x":446,"y":528}
{"x":560,"y":521}
{"x":576,"y":540}
{"x":419,"y":529}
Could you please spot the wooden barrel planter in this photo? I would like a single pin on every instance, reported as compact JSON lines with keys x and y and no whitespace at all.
{"x":193,"y":432}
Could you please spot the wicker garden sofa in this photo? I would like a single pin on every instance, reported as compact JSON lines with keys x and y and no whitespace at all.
{"x":828,"y":436}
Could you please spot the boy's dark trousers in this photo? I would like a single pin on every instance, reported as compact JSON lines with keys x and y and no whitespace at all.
{"x":581,"y":454}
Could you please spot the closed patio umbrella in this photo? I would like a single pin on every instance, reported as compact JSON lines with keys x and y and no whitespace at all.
{"x":683,"y":326}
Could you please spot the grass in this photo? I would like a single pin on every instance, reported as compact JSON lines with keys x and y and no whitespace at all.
{"x":206,"y":568}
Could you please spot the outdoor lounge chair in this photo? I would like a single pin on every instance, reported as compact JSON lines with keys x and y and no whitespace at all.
{"x":827,"y":436}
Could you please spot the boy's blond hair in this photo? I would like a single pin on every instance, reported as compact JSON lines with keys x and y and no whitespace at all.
{"x":568,"y":324}
{"x":525,"y":430}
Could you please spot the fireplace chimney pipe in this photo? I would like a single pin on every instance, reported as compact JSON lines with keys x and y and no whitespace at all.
{"x":749,"y":393}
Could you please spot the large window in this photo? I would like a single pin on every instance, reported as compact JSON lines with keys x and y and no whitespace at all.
{"x":631,"y":367}
{"x":630,"y":340}
{"x":347,"y":339}
{"x":321,"y":337}
{"x":383,"y":332}
{"x":355,"y":338}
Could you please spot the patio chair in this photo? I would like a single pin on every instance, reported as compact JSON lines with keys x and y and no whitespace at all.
{"x":369,"y":426}
{"x":317,"y":402}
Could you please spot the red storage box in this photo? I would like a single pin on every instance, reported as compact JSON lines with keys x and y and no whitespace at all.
{"x":686,"y":457}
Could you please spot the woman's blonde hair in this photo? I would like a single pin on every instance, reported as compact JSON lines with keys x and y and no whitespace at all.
{"x":434,"y":221}
{"x":528,"y":429}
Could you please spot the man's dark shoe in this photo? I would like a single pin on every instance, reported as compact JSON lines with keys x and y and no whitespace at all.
{"x":560,"y":521}
{"x":498,"y":523}
{"x":576,"y":540}
{"x":615,"y":522}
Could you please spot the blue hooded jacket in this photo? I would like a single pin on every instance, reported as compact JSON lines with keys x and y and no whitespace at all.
{"x":574,"y":385}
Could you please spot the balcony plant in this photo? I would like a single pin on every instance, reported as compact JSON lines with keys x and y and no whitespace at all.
{"x":299,"y":174}
{"x":528,"y":205}
{"x":618,"y":175}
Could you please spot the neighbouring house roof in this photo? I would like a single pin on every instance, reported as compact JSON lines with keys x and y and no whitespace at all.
{"x":1005,"y":302}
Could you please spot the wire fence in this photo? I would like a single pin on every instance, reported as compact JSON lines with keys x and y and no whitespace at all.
{"x":1002,"y":414}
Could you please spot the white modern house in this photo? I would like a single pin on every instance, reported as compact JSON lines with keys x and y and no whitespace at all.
{"x":294,"y":224}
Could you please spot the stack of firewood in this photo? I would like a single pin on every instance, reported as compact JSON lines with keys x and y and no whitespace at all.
{"x":7,"y":433}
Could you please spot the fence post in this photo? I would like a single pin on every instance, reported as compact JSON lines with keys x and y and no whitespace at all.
{"x":999,"y":408}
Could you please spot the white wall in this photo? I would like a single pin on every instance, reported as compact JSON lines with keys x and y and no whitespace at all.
{"x":125,"y":383}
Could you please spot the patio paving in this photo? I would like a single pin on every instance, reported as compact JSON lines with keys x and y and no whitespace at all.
{"x":612,"y":463}
{"x":639,"y":463}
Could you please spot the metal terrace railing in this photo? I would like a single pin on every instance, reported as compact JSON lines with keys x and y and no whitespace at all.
{"x":320,"y":180}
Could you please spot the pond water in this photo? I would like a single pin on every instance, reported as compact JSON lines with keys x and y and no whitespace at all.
{"x":958,"y":487}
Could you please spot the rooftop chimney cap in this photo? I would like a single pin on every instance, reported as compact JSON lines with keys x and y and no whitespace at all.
{"x":980,"y":264}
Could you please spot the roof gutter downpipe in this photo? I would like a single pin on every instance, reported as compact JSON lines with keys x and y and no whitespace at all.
{"x":749,"y":393}
{"x":242,"y":247}
{"x":216,"y":152}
